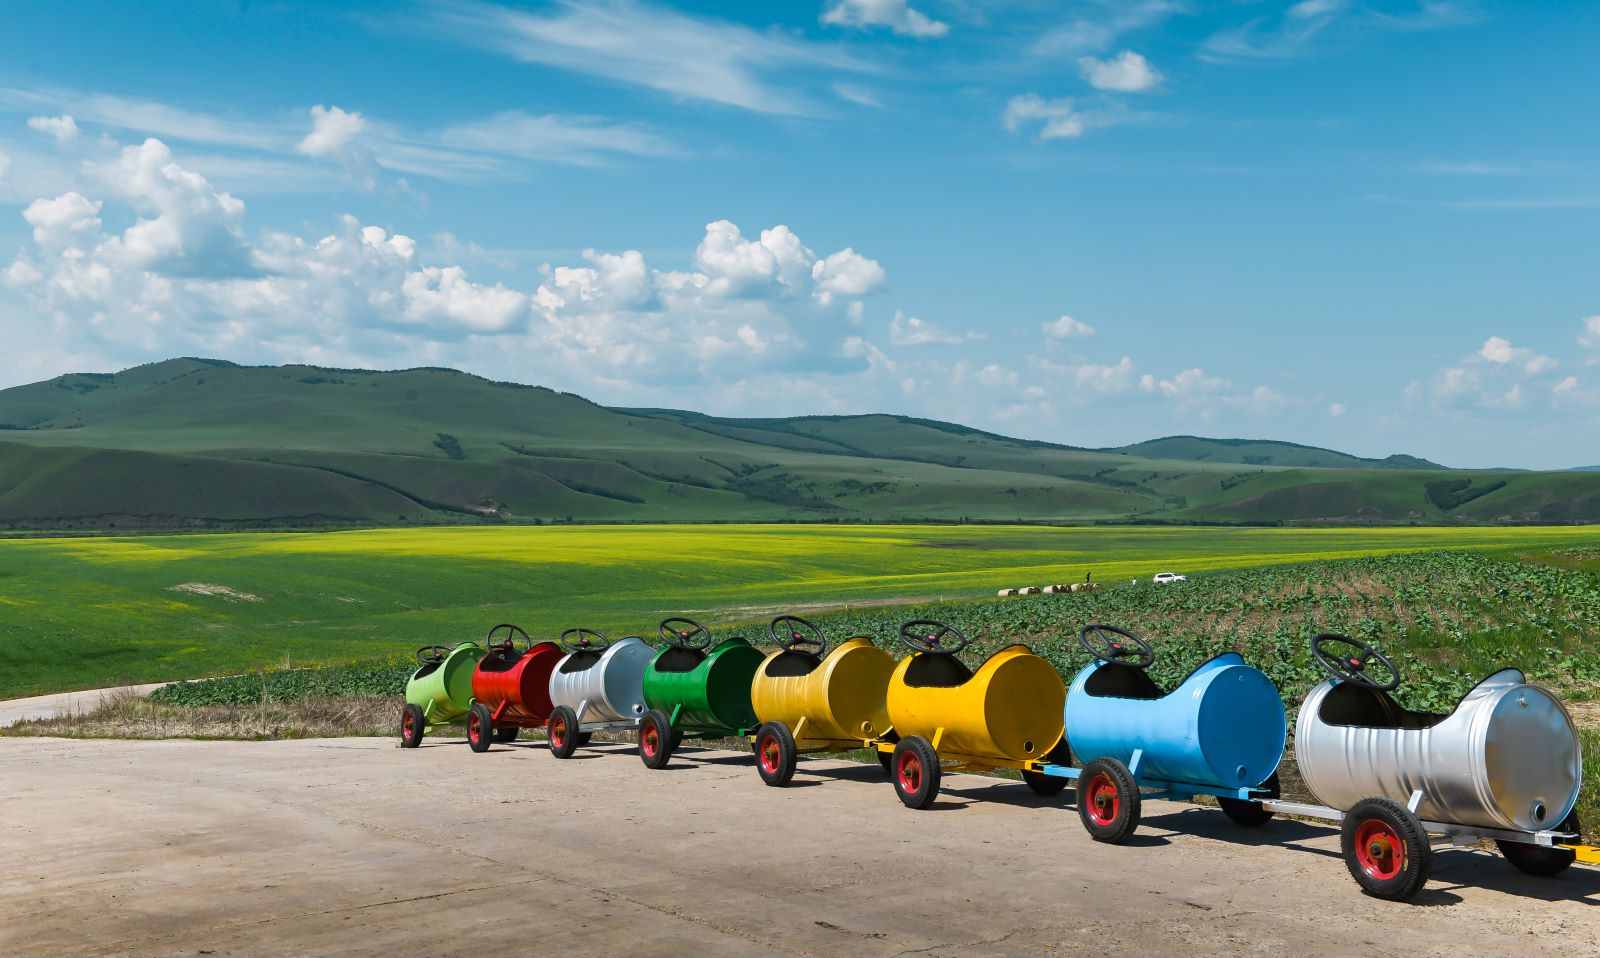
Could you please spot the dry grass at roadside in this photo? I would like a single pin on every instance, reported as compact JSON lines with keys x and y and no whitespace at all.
{"x":135,"y":716}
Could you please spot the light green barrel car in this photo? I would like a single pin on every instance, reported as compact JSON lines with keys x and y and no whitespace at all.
{"x":439,"y":692}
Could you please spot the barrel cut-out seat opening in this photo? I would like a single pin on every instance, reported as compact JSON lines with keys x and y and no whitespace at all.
{"x":937,"y":672}
{"x":428,"y":669}
{"x":495,"y":662}
{"x":1118,"y":681}
{"x":679,"y":659}
{"x":579,"y":662}
{"x":789,"y":664}
{"x":1356,"y":705}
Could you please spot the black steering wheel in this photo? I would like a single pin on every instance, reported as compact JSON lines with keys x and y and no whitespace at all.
{"x":928,"y":635}
{"x":791,"y":632}
{"x":587,"y":640}
{"x":1349,"y":664}
{"x":1107,"y":645}
{"x":432,"y":654}
{"x":508,"y":645}
{"x":685,"y":634}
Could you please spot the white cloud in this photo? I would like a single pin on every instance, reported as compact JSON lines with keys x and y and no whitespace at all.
{"x":897,"y":15}
{"x":1590,"y":337}
{"x":1500,"y":352}
{"x":556,"y":137}
{"x":5,"y":164}
{"x":1127,"y":72}
{"x":652,"y":46}
{"x":184,"y":278}
{"x":1098,"y":25}
{"x":1067,"y":328}
{"x":1336,"y":409}
{"x":332,"y":129}
{"x":910,"y":331}
{"x":63,"y":127}
{"x":1307,"y":25}
{"x":1060,"y":118}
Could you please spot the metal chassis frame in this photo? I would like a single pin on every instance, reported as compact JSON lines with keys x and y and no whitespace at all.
{"x":813,"y":746}
{"x":623,"y":725}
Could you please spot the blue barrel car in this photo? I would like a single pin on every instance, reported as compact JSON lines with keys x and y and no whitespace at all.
{"x":1220,"y":732}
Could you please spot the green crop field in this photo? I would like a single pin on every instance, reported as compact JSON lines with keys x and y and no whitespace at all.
{"x":85,"y":612}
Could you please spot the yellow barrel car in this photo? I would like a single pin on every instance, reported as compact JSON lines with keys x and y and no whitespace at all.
{"x":1007,"y":714}
{"x":809,"y":699}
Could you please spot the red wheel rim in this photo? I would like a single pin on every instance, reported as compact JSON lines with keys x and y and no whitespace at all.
{"x":407,"y":724}
{"x":474,"y":728}
{"x":558,"y":733}
{"x":1101,"y":800}
{"x":910,"y":772}
{"x":1379,"y":850}
{"x":651,"y":740}
{"x":770,"y":755}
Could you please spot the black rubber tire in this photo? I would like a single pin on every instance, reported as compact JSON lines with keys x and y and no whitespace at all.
{"x":656,"y":739}
{"x":1401,"y":827}
{"x":583,"y":739}
{"x":886,"y":759}
{"x":508,"y":734}
{"x":776,"y":755}
{"x":480,"y":727}
{"x":1538,"y":859}
{"x":562,"y":732}
{"x":916,"y":772}
{"x":1108,"y":801}
{"x":1249,"y":813}
{"x":412,"y":726}
{"x":1043,"y":784}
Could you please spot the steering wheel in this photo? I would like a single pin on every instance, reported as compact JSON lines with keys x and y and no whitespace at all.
{"x":507,"y":645}
{"x":432,"y":654}
{"x":695,"y":636}
{"x":1348,"y":667}
{"x":793,"y":634}
{"x":588,"y":640}
{"x":927,"y":635}
{"x":1107,"y":646}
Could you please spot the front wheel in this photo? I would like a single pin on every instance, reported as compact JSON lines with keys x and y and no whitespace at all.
{"x":563,"y":732}
{"x":656,"y":739}
{"x":1539,"y":859}
{"x":776,"y":755}
{"x":916,"y":772}
{"x":412,"y":725}
{"x":1108,"y":801}
{"x":1386,"y":849}
{"x":480,"y":727}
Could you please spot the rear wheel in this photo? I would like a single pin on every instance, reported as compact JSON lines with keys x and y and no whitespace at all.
{"x":506,"y":734}
{"x":916,"y":772}
{"x":1386,"y":849}
{"x":412,"y":725}
{"x":563,"y":732}
{"x":1249,"y":813}
{"x":776,"y":755}
{"x":1108,"y":801}
{"x":480,"y":727}
{"x":656,"y":739}
{"x":1539,"y":859}
{"x":583,"y":739}
{"x":1043,"y":784}
{"x":886,"y":759}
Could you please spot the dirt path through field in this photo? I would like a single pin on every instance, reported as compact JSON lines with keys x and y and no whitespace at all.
{"x":355,"y":847}
{"x":65,"y":703}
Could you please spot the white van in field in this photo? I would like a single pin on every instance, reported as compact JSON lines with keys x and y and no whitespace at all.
{"x":1163,"y":578}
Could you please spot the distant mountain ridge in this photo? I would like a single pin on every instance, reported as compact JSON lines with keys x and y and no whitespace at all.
{"x":209,"y":443}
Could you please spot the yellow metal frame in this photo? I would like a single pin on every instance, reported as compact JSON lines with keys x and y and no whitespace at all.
{"x":1588,"y":854}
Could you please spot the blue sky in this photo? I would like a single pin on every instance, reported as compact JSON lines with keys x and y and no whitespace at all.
{"x":1366,"y":225}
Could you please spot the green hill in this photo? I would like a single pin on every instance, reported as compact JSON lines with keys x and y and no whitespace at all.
{"x":1264,"y":452}
{"x":193,"y":442}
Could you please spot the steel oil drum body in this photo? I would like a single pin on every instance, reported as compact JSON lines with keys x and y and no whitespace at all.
{"x":1223,"y":726}
{"x":444,"y":690}
{"x":704,"y":690}
{"x":611,"y":682}
{"x":1010,"y":710}
{"x":840,"y":698}
{"x":1506,"y":757}
{"x":517,"y":690}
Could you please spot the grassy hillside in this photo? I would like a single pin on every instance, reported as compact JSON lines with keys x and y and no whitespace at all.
{"x":1265,"y":452}
{"x":192,"y":442}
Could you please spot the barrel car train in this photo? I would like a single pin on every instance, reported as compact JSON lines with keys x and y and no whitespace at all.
{"x":1504,"y":766}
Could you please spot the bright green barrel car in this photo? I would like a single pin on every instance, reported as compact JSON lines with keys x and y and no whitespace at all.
{"x":439,"y":692}
{"x":696,"y":689}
